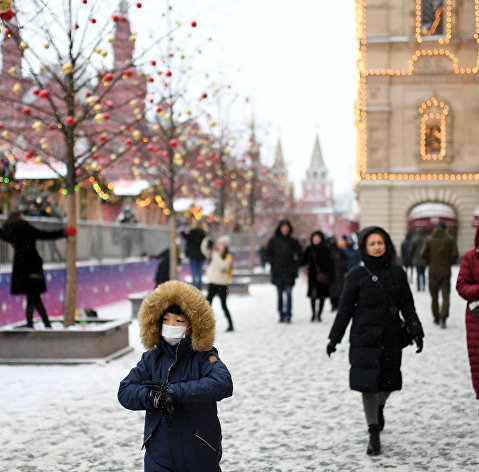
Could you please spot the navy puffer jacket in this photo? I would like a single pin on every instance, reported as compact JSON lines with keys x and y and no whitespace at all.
{"x":197,"y":380}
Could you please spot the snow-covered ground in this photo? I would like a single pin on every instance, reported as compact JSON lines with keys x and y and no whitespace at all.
{"x":292,"y":409}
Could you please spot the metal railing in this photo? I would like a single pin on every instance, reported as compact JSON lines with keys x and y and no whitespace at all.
{"x":97,"y":241}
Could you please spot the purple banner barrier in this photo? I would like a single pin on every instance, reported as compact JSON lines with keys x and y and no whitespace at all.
{"x":98,"y":284}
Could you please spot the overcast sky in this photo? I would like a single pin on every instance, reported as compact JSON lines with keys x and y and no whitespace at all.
{"x":296,"y":62}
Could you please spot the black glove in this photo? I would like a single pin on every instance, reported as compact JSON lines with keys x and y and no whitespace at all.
{"x":330,"y":348}
{"x":419,"y":343}
{"x":161,"y":400}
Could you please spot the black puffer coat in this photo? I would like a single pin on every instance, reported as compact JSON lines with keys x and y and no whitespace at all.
{"x":375,"y":338}
{"x":193,"y":239}
{"x":318,"y":256}
{"x":27,"y":271}
{"x":284,"y":255}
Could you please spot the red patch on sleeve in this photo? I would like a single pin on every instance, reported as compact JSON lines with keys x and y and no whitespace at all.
{"x":213,"y":359}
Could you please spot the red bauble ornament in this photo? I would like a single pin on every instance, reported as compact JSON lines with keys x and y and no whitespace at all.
{"x":7,"y":16}
{"x":95,"y":157}
{"x":116,"y":18}
{"x":70,"y":121}
{"x":173,"y":143}
{"x":26,"y":110}
{"x":164,"y":154}
{"x":138,"y":5}
{"x":151,"y":79}
{"x":106,"y":116}
{"x":36,"y":91}
{"x":44,"y":94}
{"x":85,"y":1}
{"x":108,"y":77}
{"x":159,"y":109}
{"x":193,"y":24}
{"x":129,"y":142}
{"x":169,"y":73}
{"x":128,"y":73}
{"x":204,"y":95}
{"x":109,"y":104}
{"x":93,"y":20}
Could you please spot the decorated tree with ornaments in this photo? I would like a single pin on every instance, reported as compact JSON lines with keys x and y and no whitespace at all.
{"x":64,"y":98}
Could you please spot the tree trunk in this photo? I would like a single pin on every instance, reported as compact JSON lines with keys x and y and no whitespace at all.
{"x":173,"y":247}
{"x":71,"y":270}
{"x":252,"y":247}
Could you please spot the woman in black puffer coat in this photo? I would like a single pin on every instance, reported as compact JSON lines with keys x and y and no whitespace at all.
{"x":372,"y":298}
{"x":320,"y":271}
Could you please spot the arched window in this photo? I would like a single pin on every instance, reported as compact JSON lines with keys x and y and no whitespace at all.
{"x":433,"y":18}
{"x":434,"y":130}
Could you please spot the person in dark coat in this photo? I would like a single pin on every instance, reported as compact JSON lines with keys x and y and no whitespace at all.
{"x":284,"y":255}
{"x":405,"y":255}
{"x":340,"y":266}
{"x":467,"y":286}
{"x":320,"y":270}
{"x":193,"y":252}
{"x":178,"y":381}
{"x":372,"y":298}
{"x":416,"y":246}
{"x":352,"y":253}
{"x":162,"y":273}
{"x":28,"y":277}
{"x":440,"y":253}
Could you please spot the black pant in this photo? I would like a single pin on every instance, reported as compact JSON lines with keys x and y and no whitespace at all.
{"x":222,"y":292}
{"x":34,"y":301}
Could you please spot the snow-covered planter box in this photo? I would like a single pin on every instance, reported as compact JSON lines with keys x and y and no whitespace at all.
{"x":87,"y":341}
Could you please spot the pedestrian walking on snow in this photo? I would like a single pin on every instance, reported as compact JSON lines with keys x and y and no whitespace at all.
{"x":416,"y":246}
{"x":468,"y":288}
{"x":340,"y":268}
{"x":317,"y":257}
{"x":405,"y":255}
{"x":284,"y":255}
{"x":178,"y":381}
{"x":28,"y":277}
{"x":373,"y":296}
{"x":193,"y":237}
{"x":219,"y":273}
{"x":440,"y":253}
{"x":352,"y":253}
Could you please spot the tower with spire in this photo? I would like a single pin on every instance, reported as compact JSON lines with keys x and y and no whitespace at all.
{"x":317,"y":188}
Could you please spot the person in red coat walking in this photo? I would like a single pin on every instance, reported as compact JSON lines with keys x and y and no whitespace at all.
{"x":468,"y":288}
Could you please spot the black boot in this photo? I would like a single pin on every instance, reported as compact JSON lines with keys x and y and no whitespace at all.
{"x":313,"y":317}
{"x":374,"y":445}
{"x":381,"y":420}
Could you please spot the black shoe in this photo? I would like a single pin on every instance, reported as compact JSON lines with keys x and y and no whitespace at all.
{"x":374,"y":445}
{"x":281,"y":320}
{"x":288,"y":320}
{"x":313,"y":317}
{"x":436,"y":320}
{"x":443,"y":324}
{"x":381,"y":420}
{"x":230,"y":328}
{"x":319,"y":318}
{"x":29,"y":326}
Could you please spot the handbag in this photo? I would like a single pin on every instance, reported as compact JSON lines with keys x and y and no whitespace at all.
{"x":474,"y":307}
{"x":406,"y":338}
{"x":321,"y":276}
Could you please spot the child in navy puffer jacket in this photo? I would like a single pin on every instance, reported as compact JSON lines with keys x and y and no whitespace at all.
{"x":178,"y":381}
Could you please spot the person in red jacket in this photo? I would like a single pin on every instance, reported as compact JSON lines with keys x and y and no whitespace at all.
{"x":468,"y":288}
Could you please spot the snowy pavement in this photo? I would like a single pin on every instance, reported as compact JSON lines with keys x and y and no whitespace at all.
{"x":292,"y":409}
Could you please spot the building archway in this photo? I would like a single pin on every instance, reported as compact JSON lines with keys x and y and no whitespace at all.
{"x":428,"y":214}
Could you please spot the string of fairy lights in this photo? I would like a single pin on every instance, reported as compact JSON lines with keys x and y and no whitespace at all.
{"x":431,"y":111}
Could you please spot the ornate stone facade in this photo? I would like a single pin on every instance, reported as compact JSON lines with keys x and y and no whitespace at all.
{"x":417,"y":114}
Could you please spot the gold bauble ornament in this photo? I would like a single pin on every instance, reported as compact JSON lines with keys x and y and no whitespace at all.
{"x":17,"y":88}
{"x":5,"y":5}
{"x":136,"y":135}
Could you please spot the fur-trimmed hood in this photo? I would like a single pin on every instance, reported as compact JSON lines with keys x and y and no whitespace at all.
{"x":192,"y":303}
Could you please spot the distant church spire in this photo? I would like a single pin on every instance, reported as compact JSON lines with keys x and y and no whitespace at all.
{"x":122,"y":46}
{"x":278,"y":156}
{"x":317,"y":160}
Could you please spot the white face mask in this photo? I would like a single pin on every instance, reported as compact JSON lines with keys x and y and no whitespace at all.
{"x":173,"y":334}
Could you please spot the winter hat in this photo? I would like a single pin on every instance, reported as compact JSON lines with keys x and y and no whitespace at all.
{"x":190,"y":301}
{"x":225,"y":240}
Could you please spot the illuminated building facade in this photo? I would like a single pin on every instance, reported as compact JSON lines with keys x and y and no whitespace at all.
{"x":417,"y":115}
